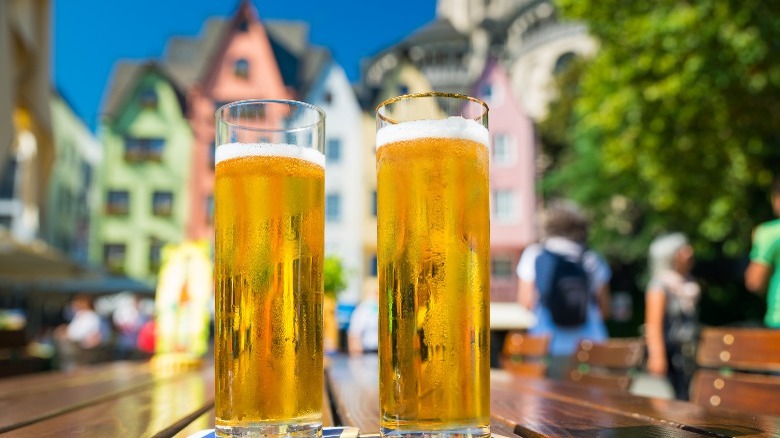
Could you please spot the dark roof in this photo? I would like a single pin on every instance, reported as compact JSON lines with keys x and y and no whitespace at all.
{"x":437,"y":33}
{"x":440,"y":30}
{"x":293,"y":35}
{"x":124,"y":80}
{"x":86,"y":285}
{"x":187,"y":59}
{"x":315,"y":61}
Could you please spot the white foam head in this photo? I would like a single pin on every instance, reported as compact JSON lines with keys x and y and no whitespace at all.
{"x":453,"y":127}
{"x":237,"y":150}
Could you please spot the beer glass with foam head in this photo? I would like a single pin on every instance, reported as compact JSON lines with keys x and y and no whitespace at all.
{"x":433,"y":259}
{"x":269,"y":245}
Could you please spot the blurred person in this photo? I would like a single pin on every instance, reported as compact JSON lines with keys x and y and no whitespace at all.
{"x":762,"y":274}
{"x":363,"y":329}
{"x":81,"y":335}
{"x":127,"y":319}
{"x":85,"y":327}
{"x":671,"y":317}
{"x":561,"y":270}
{"x":147,"y":338}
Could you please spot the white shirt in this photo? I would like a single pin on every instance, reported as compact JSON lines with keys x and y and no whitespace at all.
{"x":85,"y":325}
{"x":597,"y":269}
{"x":364,"y":323}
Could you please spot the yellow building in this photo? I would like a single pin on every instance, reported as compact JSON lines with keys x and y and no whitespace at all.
{"x":405,"y":78}
{"x":26,"y":147}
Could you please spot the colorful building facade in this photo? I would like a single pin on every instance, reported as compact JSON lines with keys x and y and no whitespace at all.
{"x":147,"y":142}
{"x":241,"y":65}
{"x":512,"y":179}
{"x":345,"y":200}
{"x":72,"y":190}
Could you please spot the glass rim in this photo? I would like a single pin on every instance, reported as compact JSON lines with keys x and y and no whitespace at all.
{"x":289,"y":102}
{"x":427,"y":94}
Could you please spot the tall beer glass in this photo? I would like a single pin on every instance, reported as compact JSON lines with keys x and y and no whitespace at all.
{"x":269,"y":222}
{"x":433,"y":260}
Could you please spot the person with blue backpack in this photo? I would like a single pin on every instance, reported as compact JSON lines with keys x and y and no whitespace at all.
{"x":565,"y":284}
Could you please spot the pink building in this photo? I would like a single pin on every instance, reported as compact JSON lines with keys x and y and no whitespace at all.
{"x":234,"y":60}
{"x":512,"y":179}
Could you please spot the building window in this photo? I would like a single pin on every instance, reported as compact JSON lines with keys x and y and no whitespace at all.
{"x":210,"y":209}
{"x":118,"y":202}
{"x":114,"y":255}
{"x":373,"y":266}
{"x":373,"y":203}
{"x":8,"y":179}
{"x":333,"y":207}
{"x":503,"y":149}
{"x":328,"y":98}
{"x":242,"y":68}
{"x":155,"y":255}
{"x":486,"y":92}
{"x":403,"y":89}
{"x":213,"y":155}
{"x":148,"y":98}
{"x":563,"y":62}
{"x":243,"y":25}
{"x":144,"y":149}
{"x":504,"y":205}
{"x":162,"y":203}
{"x":6,"y":221}
{"x":501,"y":267}
{"x":333,"y":150}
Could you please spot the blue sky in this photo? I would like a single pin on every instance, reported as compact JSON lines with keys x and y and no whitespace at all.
{"x":89,"y":36}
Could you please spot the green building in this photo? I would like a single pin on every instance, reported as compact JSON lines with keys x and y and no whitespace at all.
{"x":72,"y":192}
{"x":147,"y":143}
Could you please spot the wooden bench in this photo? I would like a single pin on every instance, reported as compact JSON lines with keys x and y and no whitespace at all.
{"x":524,"y":354}
{"x":608,"y":364}
{"x":729,"y":358}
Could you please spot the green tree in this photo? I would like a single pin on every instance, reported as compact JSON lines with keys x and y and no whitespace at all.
{"x":673,"y":125}
{"x":335,"y":276}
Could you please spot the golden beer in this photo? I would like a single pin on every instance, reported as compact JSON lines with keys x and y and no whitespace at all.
{"x":434,"y":279}
{"x":269,"y":221}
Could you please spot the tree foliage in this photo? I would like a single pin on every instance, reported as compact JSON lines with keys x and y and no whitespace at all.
{"x":674,"y":124}
{"x":335,"y":276}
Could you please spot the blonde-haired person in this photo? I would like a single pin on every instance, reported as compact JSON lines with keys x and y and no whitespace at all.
{"x":671,"y":315}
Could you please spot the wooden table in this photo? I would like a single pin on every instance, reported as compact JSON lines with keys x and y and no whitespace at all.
{"x":126,"y":399}
{"x":544,"y":408}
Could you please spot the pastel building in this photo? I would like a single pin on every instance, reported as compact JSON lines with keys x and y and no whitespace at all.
{"x":72,"y":193}
{"x":345,"y":200}
{"x":234,"y":59}
{"x":147,"y":143}
{"x":26,"y":146}
{"x":512,"y":179}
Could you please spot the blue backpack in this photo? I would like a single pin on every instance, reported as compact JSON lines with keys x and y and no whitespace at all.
{"x":564,"y":288}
